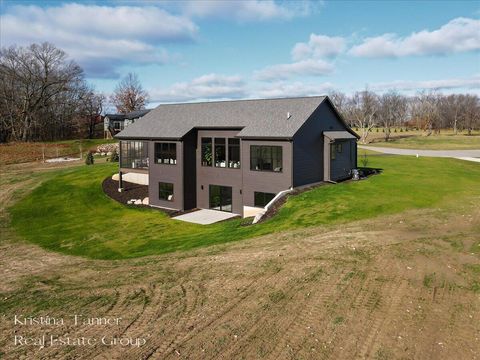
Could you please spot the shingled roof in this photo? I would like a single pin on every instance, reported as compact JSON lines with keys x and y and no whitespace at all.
{"x":131,"y":115}
{"x":264,"y":118}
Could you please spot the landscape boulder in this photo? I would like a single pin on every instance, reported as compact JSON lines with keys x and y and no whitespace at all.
{"x":138,"y":202}
{"x":145,"y":201}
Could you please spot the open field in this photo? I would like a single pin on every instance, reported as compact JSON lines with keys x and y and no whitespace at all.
{"x":415,"y":139}
{"x":14,"y":153}
{"x":69,"y":212}
{"x":401,"y":285}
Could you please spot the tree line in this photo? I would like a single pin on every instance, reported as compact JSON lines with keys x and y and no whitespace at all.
{"x":428,"y":111}
{"x":44,"y":96}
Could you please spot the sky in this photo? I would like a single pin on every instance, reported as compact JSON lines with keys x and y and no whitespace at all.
{"x":213,"y":50}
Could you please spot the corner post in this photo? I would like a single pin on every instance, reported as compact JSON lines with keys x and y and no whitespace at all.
{"x":120,"y":182}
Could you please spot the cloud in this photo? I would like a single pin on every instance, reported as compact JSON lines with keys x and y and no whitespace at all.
{"x":100,"y":38}
{"x":282,"y":89}
{"x":301,"y":68}
{"x":252,"y":10}
{"x":318,"y":46}
{"x":455,"y":83}
{"x":210,"y":86}
{"x":458,"y":35}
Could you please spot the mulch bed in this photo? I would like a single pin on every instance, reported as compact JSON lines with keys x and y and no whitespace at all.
{"x":133,"y":191}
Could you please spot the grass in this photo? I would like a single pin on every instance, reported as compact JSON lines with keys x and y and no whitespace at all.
{"x":19,"y":152}
{"x":432,"y":142}
{"x":69,"y":213}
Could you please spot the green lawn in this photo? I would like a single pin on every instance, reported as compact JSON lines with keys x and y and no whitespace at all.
{"x":433,"y":142}
{"x":69,"y":213}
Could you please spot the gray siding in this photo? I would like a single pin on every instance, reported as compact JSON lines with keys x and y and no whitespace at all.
{"x":166,"y":173}
{"x":211,"y":175}
{"x":265,"y":181}
{"x":308,"y":145}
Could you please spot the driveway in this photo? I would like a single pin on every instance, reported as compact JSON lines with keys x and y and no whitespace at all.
{"x":469,"y":155}
{"x":205,"y":216}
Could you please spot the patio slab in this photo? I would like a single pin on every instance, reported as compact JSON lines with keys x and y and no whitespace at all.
{"x":205,"y":216}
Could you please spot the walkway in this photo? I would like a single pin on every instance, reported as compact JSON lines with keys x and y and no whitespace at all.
{"x":205,"y":217}
{"x":469,"y":155}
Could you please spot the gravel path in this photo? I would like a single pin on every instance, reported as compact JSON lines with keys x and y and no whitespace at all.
{"x":464,"y":154}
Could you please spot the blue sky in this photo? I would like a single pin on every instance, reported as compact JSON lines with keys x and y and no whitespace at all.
{"x":202,"y":50}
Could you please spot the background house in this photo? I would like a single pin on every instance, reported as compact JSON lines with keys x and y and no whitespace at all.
{"x":114,"y":123}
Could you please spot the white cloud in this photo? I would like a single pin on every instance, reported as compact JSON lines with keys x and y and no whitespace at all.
{"x":462,"y":83}
{"x":282,"y":89}
{"x":458,"y":35}
{"x":309,"y":67}
{"x":100,"y":38}
{"x":318,"y":46}
{"x":210,"y":86}
{"x":251,"y":10}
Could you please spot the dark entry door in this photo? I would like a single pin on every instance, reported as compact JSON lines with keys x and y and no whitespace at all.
{"x":221,"y":198}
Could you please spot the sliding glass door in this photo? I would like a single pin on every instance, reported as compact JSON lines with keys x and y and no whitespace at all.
{"x":221,"y":198}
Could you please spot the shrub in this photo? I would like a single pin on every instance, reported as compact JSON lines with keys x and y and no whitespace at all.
{"x":114,"y":157}
{"x":89,"y":159}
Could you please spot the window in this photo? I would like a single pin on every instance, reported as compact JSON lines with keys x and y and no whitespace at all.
{"x":133,"y":154}
{"x":206,"y":151}
{"x":166,"y":153}
{"x":220,"y":152}
{"x":261,"y":199}
{"x":165,"y":191}
{"x":116,"y":125}
{"x":332,"y":151}
{"x":339,"y":148}
{"x":234,"y":153}
{"x":266,"y":158}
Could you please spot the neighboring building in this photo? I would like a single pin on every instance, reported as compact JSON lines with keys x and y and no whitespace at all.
{"x":229,"y":155}
{"x":114,"y":123}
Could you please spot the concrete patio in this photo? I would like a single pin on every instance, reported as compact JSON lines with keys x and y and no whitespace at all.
{"x":205,"y":216}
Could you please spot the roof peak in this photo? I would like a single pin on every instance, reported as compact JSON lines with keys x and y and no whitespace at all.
{"x":244,"y":100}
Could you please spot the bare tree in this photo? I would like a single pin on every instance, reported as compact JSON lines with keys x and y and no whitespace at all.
{"x":91,"y":108}
{"x":393,"y":110}
{"x":425,"y":109}
{"x":38,"y":92}
{"x":129,"y":95}
{"x":471,"y":119}
{"x":451,"y":111}
{"x":363,"y":109}
{"x":340,"y":100}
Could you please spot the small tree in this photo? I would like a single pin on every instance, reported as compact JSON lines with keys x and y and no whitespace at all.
{"x":89,"y":160}
{"x":364,"y":160}
{"x":114,"y":157}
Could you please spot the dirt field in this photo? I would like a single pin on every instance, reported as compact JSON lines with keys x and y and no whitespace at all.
{"x":398,"y":287}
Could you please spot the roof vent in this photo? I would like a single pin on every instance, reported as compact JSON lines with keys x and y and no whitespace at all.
{"x":289,"y":115}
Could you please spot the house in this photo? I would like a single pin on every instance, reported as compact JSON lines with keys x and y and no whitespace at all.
{"x":234,"y":155}
{"x":114,"y":123}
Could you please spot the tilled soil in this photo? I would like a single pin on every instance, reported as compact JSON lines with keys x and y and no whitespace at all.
{"x":403,"y":286}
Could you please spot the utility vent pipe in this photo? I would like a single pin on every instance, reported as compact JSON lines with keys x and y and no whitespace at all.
{"x":289,"y":115}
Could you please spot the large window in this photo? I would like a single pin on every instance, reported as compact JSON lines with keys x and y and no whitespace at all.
{"x":234,"y":153}
{"x":261,"y":199}
{"x":133,"y":154}
{"x":220,"y":152}
{"x":166,"y":153}
{"x":206,"y":151}
{"x":165,"y":191}
{"x":266,"y":158}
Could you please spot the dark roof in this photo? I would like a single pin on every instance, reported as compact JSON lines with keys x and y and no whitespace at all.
{"x":269,"y":118}
{"x":131,"y":115}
